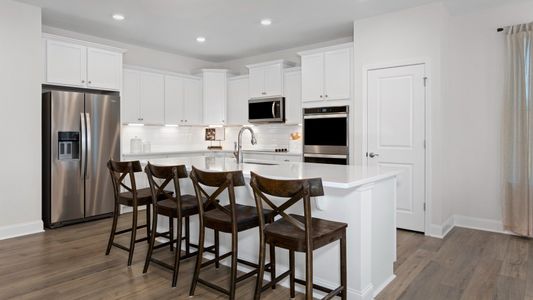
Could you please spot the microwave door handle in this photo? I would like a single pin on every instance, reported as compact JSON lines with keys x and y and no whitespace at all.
{"x":274,"y":109}
{"x":83,"y":146}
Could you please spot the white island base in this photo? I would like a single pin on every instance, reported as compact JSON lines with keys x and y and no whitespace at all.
{"x":363,"y":198}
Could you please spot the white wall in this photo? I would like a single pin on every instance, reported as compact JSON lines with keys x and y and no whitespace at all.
{"x":20,"y":119}
{"x":466,"y":87}
{"x":409,"y":35}
{"x":238,"y":66}
{"x":474,"y":95}
{"x":141,"y":56}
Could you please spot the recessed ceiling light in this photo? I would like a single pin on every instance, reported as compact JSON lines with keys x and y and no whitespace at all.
{"x":118,"y":17}
{"x":200,"y":39}
{"x":266,"y":22}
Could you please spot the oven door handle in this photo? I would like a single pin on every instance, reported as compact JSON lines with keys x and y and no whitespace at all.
{"x":336,"y":116}
{"x":326,"y":156}
{"x":274,"y":109}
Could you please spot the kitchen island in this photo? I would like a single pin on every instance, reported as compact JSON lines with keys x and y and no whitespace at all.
{"x":364,"y":198}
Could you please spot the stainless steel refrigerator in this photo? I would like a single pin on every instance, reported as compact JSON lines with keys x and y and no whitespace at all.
{"x":81,"y":132}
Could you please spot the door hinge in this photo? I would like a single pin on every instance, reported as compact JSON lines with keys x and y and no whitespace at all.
{"x":426,"y":81}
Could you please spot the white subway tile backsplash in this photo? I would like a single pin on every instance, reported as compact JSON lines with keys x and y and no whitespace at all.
{"x":167,"y":139}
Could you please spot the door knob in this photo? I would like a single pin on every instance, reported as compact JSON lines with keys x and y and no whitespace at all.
{"x":372,"y":154}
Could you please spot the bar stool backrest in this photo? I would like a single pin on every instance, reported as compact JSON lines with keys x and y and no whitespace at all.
{"x":119,"y":171}
{"x":166,"y":175}
{"x":295,"y":190}
{"x":221,"y":181}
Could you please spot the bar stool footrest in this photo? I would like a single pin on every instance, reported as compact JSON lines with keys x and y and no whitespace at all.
{"x":331,"y":293}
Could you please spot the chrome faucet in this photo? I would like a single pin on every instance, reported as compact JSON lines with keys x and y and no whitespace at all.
{"x":238,"y":144}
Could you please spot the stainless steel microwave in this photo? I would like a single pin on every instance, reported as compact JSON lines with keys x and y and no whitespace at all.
{"x":266,"y":110}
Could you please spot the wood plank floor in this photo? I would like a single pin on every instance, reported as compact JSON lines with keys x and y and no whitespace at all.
{"x":69,"y":263}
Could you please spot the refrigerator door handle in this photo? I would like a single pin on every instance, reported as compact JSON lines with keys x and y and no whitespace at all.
{"x":88,"y":153}
{"x":83,"y":146}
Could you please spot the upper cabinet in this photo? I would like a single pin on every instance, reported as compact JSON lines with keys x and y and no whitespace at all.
{"x":143,"y":99}
{"x":215,"y":83}
{"x":238,"y":96}
{"x":183,"y":100}
{"x":266,"y":79}
{"x":293,"y":96}
{"x":327,"y":73}
{"x":74,"y":63}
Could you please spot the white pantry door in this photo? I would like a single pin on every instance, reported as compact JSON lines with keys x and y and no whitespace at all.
{"x":396,"y":136}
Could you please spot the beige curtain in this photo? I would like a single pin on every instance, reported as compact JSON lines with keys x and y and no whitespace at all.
{"x":518,"y":131}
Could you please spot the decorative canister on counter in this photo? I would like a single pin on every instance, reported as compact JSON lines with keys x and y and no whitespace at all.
{"x":295,"y":142}
{"x":136,"y":145}
{"x":147,"y":147}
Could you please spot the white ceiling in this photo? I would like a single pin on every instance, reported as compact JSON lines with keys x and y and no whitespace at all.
{"x":231,"y":27}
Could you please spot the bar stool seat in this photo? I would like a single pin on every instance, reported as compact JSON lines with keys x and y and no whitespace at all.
{"x":189,"y":206}
{"x":246,"y":218}
{"x":281,"y":232}
{"x":144,"y":197}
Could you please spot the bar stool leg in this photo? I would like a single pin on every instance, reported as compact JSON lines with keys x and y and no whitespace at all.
{"x":133,"y":235}
{"x":309,"y":273}
{"x":187,"y":236}
{"x":272,"y":265}
{"x":344,"y":294}
{"x":148,"y":231}
{"x":217,"y":248}
{"x":199,"y":257}
{"x":177,"y":256}
{"x":234,"y":257}
{"x":171,"y":232}
{"x":113,"y":229}
{"x":261,"y":271}
{"x":152,"y":242}
{"x":292,"y":268}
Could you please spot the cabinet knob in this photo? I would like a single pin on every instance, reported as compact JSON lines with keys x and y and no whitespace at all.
{"x":83,"y":81}
{"x":263,"y":93}
{"x":326,"y":96}
{"x":321,"y":96}
{"x":90,"y":82}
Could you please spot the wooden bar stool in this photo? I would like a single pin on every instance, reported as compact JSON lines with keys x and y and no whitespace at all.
{"x":180,"y":207}
{"x":132,"y":197}
{"x":297,"y":233}
{"x":232,"y":218}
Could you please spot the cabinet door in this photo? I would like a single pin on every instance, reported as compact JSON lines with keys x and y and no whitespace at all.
{"x":337,"y":78}
{"x":215,"y":93}
{"x":152,"y":98}
{"x":293,"y":97}
{"x":273,"y":80}
{"x":313,"y":77}
{"x":66,"y":64}
{"x":193,"y":108}
{"x":131,"y":97}
{"x":174,"y":93}
{"x":103,"y":69}
{"x":238,"y":101}
{"x":257,"y":82}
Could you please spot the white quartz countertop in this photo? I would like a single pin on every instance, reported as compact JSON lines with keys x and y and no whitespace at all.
{"x":336,"y":176}
{"x":203,"y":151}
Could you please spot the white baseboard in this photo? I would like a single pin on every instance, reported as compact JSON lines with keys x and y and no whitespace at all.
{"x":440,"y":231}
{"x":380,"y":288}
{"x":16,"y":230}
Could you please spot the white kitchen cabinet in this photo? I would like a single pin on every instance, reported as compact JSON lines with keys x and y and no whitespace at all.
{"x":238,"y":96}
{"x":73,"y":63}
{"x":104,"y":69}
{"x":174,"y":100}
{"x":266,"y":79}
{"x":131,"y":97}
{"x":66,"y":63}
{"x":214,"y":96}
{"x":143,"y":97}
{"x":293,"y":96}
{"x":152,"y":98}
{"x":327,"y":73}
{"x":193,"y":106}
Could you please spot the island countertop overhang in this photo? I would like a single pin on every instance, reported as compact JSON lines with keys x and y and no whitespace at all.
{"x":333,"y":176}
